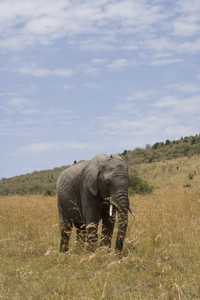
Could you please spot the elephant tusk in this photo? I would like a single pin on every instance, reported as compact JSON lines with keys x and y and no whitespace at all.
{"x":111,"y":209}
{"x":130,"y":210}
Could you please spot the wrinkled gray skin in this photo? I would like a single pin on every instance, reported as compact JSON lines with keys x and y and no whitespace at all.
{"x":82,"y":190}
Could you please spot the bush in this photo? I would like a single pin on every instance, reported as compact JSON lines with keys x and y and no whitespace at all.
{"x":191,"y":176}
{"x":187,"y":186}
{"x":139,"y":186}
{"x":156,"y":145}
{"x":186,"y":150}
{"x":49,"y":193}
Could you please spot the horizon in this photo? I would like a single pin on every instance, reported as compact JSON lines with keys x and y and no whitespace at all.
{"x":147,"y":146}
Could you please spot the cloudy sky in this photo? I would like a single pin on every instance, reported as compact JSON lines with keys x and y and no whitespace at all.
{"x":79,"y":77}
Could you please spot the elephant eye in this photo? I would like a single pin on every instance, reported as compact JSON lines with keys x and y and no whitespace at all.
{"x":107,"y":183}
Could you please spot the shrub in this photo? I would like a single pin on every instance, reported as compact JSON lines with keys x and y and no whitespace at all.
{"x":139,"y":186}
{"x":156,"y":145}
{"x":125,"y":152}
{"x":149,"y":158}
{"x":49,"y":193}
{"x":191,"y":176}
{"x":167,"y":142}
{"x":186,"y":150}
{"x":187,"y":186}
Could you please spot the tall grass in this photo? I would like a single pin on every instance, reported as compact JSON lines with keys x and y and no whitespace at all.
{"x":161,"y":257}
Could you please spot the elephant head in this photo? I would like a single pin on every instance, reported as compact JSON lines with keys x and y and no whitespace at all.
{"x":108,"y":177}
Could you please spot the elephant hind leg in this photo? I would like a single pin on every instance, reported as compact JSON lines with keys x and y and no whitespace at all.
{"x":80,"y":236}
{"x":65,"y":230}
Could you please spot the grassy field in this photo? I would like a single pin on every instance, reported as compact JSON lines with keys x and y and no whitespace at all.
{"x":161,"y":257}
{"x":179,"y":172}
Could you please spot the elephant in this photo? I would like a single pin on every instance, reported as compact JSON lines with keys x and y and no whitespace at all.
{"x":89,"y":191}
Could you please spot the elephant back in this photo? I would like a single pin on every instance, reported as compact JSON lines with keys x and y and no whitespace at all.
{"x":66,"y":181}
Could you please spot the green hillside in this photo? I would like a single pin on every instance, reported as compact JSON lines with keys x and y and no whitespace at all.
{"x":42,"y":182}
{"x":138,"y":160}
{"x":160,"y":151}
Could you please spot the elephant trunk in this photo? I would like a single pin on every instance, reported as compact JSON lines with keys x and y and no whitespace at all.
{"x":121,"y":202}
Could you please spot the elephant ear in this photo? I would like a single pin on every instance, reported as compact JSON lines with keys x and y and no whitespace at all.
{"x":116,"y":157}
{"x":92,"y":172}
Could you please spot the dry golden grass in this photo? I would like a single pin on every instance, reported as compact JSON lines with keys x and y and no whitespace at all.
{"x":161,"y":257}
{"x":171,"y":173}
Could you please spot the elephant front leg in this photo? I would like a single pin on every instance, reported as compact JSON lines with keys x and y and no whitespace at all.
{"x":92,"y":236}
{"x":122,"y":227}
{"x":108,"y":224}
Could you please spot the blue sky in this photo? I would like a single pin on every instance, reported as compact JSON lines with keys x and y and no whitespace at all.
{"x":83,"y":77}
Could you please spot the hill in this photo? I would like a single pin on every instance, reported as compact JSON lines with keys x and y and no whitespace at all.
{"x":174,"y":173}
{"x":160,"y":151}
{"x":42,"y":182}
{"x":173,"y":164}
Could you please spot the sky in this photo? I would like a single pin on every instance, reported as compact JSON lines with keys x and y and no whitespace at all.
{"x":81,"y":77}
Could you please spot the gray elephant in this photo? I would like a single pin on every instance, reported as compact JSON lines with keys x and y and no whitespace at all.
{"x":90,"y":191}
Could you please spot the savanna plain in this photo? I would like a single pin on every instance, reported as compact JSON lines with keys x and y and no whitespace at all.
{"x":160,"y":259}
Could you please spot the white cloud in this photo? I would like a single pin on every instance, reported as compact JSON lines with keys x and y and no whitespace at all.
{"x":100,"y":25}
{"x":42,"y":22}
{"x":36,"y":71}
{"x":120,"y":64}
{"x":92,"y":86}
{"x":157,"y":114}
{"x":98,"y":61}
{"x":186,"y":88}
{"x":168,"y":102}
{"x":117,"y":64}
{"x":189,"y":47}
{"x":160,"y":44}
{"x":161,"y":55}
{"x":187,"y":23}
{"x":30,"y":111}
{"x":68,"y":87}
{"x":137,"y":14}
{"x":35,"y":149}
{"x":19,"y":102}
{"x":179,"y":107}
{"x":173,"y":46}
{"x":189,"y":6}
{"x":61,"y":112}
{"x":90,"y":70}
{"x":161,"y":115}
{"x":186,"y":27}
{"x":169,"y":61}
{"x":131,"y":46}
{"x":129,"y":108}
{"x":138,"y":95}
